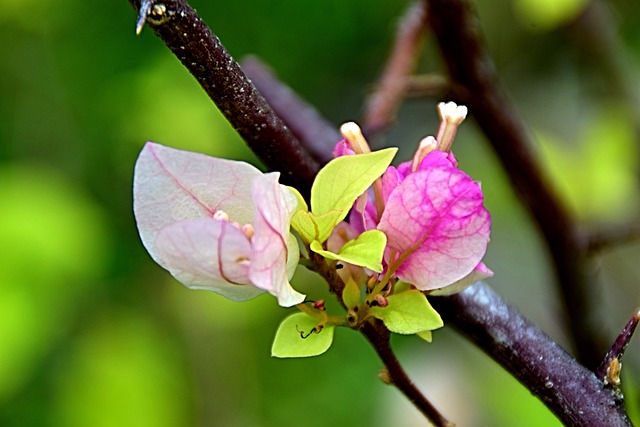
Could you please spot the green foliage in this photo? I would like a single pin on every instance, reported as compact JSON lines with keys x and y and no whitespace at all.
{"x":600,"y":162}
{"x":548,"y":14}
{"x":365,"y":251}
{"x":351,"y":294}
{"x":54,"y":243}
{"x":301,"y":335}
{"x":408,"y":312}
{"x":335,"y":189}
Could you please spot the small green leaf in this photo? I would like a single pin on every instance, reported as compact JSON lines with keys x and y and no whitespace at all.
{"x":311,"y":227}
{"x":302,"y":204}
{"x":364,"y":251}
{"x":408,"y":312}
{"x":342,"y":180}
{"x":425,"y":335}
{"x":289,"y":343}
{"x":351,"y":294}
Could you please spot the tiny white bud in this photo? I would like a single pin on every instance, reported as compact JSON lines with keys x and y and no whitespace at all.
{"x":248,"y":230}
{"x":221,"y":215}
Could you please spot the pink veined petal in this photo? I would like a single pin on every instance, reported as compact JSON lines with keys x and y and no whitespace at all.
{"x":268,"y":267}
{"x":390,"y":181}
{"x":481,"y":272}
{"x":436,"y":219}
{"x":438,"y":159}
{"x":207,"y":254}
{"x":171,"y":185}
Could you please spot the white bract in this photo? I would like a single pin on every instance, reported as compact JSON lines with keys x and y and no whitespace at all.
{"x":216,"y":224}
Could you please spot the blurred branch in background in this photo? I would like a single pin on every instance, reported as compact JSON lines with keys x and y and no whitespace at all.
{"x":383,"y":103}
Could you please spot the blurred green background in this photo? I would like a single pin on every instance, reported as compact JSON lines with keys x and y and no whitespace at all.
{"x":93,"y":333}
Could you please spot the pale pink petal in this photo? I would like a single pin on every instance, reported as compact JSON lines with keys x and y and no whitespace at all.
{"x":481,"y":272}
{"x":207,"y":254}
{"x":270,"y":251}
{"x":171,"y":185}
{"x":436,"y":219}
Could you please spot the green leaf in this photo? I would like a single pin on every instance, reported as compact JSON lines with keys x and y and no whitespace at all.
{"x":351,"y":294}
{"x":302,"y":204}
{"x":408,"y":312}
{"x":342,"y":180}
{"x":364,"y":251}
{"x":425,"y":335}
{"x":289,"y":343}
{"x":311,"y":227}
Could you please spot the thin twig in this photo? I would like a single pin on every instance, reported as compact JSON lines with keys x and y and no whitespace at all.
{"x":200,"y":51}
{"x":379,"y":336}
{"x":395,"y":374}
{"x":384,"y":102}
{"x":573,"y":393}
{"x":475,"y":84}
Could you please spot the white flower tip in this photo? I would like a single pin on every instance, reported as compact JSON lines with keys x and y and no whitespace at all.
{"x":426,"y":146}
{"x":350,"y":130}
{"x":451,"y":113}
{"x":352,"y":133}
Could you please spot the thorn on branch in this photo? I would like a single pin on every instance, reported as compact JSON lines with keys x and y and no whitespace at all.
{"x":143,"y":13}
{"x":609,"y":369}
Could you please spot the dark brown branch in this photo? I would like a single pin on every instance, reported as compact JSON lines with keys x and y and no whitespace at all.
{"x":476,"y":85}
{"x":573,"y":393}
{"x":618,"y":347}
{"x":384,"y":102}
{"x":200,"y":51}
{"x":315,"y":134}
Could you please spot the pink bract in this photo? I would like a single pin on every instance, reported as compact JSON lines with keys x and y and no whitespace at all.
{"x":435,"y":223}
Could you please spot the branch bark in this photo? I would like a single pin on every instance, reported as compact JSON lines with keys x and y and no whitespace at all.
{"x":573,"y":393}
